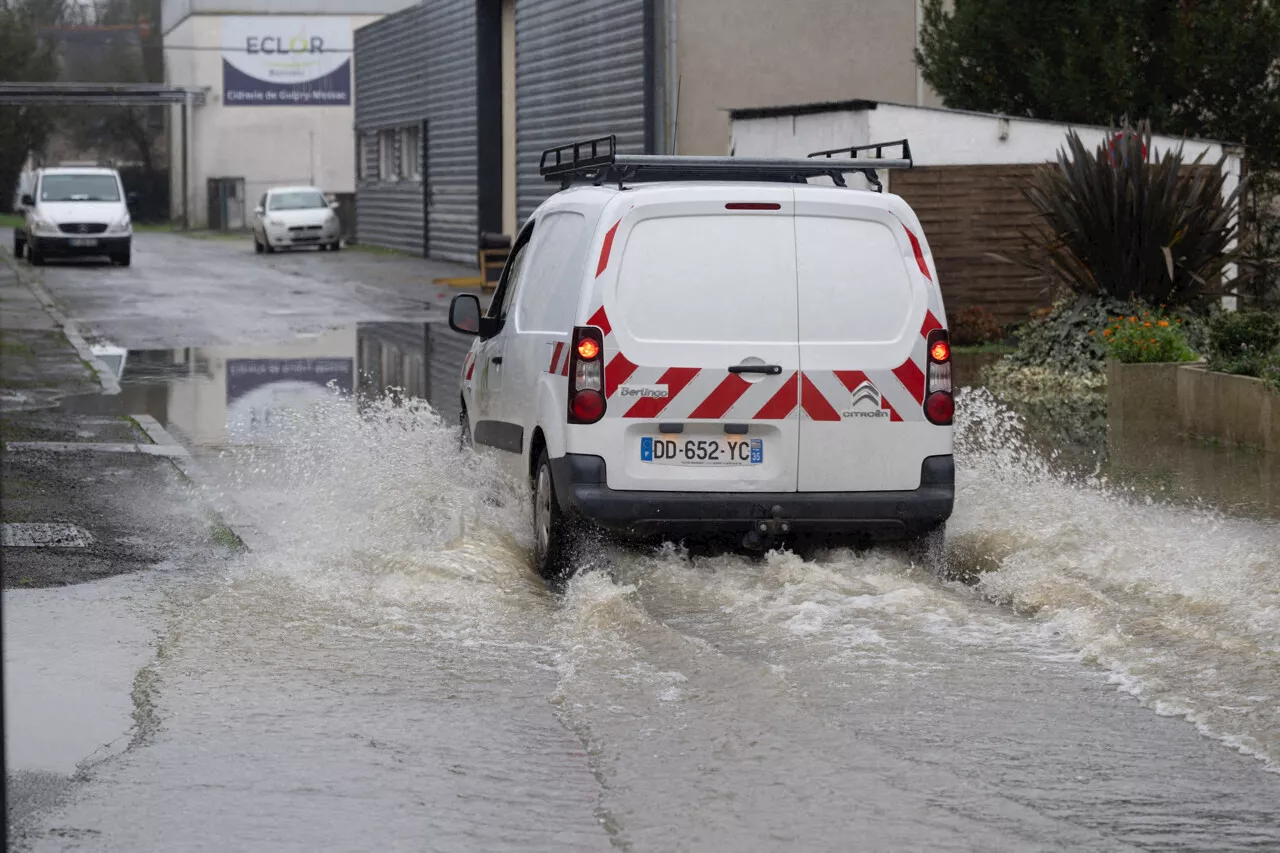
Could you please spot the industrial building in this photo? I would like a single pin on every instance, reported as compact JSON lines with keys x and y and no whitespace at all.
{"x":455,"y":99}
{"x":278,"y":103}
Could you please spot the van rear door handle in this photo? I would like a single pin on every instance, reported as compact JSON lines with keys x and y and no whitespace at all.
{"x":768,"y":369}
{"x":497,"y":359}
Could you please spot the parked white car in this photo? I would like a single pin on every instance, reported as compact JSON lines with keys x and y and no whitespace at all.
{"x":690,"y":347}
{"x":75,"y":212}
{"x":289,"y":217}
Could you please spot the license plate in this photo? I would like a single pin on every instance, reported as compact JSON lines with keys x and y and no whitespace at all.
{"x":702,"y":451}
{"x":83,"y":241}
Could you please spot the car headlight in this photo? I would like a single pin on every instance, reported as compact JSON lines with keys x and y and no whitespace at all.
{"x":43,"y":226}
{"x":121,"y":227}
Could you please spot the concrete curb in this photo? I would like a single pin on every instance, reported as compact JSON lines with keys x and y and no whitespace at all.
{"x":106,"y":377}
{"x":96,"y":447}
{"x":228,"y":510}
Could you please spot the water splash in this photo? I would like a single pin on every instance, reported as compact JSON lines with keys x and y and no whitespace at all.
{"x":382,"y":513}
{"x":1181,"y":604}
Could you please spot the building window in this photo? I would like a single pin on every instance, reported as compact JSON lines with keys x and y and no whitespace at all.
{"x":387,"y":156}
{"x":367,"y":159}
{"x":410,"y":154}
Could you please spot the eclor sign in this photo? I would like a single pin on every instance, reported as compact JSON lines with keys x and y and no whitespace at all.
{"x":286,"y":60}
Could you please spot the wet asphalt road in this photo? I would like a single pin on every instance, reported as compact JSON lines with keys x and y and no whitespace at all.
{"x":183,"y":292}
{"x":383,"y":671}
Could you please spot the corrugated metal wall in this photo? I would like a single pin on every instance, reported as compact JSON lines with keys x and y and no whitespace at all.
{"x":391,"y":92}
{"x":416,"y":65}
{"x":582,"y":70}
{"x":450,"y":56}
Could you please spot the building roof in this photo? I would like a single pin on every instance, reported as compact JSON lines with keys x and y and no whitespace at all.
{"x":857,"y":105}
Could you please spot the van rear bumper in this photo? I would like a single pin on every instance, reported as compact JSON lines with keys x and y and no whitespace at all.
{"x":582,"y":490}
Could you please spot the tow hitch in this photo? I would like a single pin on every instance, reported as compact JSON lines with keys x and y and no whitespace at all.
{"x":767,"y":531}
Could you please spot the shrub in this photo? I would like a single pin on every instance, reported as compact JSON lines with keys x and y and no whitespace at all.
{"x":1145,"y":338}
{"x":974,"y":326}
{"x":1259,"y":283}
{"x":1061,"y":339}
{"x":1243,"y":342}
{"x":1120,"y":226}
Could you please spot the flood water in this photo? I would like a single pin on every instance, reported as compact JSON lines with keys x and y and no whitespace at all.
{"x":389,"y":673}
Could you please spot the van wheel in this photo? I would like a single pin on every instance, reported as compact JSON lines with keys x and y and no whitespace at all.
{"x":464,"y":439}
{"x":18,"y":245}
{"x":552,"y":539}
{"x":35,"y":256}
{"x":122,"y":259}
{"x":257,"y":247}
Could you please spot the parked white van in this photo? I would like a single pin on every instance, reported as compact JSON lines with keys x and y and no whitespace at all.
{"x":75,"y":212}
{"x":688,"y":347}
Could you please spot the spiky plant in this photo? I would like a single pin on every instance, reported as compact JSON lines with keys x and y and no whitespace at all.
{"x":1117,"y":223}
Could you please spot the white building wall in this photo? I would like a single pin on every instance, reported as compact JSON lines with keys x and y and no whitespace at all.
{"x":266,"y":146}
{"x":939,"y":137}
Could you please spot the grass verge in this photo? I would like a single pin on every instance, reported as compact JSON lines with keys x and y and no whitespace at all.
{"x":981,"y":349}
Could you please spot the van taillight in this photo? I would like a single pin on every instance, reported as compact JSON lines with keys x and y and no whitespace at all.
{"x":586,"y":375}
{"x":939,"y":404}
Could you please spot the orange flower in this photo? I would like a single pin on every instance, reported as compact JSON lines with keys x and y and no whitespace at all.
{"x":1162,"y":323}
{"x":1146,"y":325}
{"x":1153,"y":340}
{"x":1133,"y":319}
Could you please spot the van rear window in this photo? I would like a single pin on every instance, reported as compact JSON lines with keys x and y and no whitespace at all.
{"x":854,"y":285}
{"x":709,"y":278}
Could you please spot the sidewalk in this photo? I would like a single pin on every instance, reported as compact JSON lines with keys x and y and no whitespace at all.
{"x":37,"y":362}
{"x":99,"y":516}
{"x":84,"y":496}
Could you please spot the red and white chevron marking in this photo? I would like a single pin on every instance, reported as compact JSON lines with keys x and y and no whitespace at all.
{"x":696,"y":394}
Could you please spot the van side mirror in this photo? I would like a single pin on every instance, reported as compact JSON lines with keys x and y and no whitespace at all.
{"x":333,"y":205}
{"x":27,"y":200}
{"x":259,"y":210}
{"x":465,"y":317}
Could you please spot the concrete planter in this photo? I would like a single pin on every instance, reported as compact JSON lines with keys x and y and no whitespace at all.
{"x":1234,"y":409}
{"x":1143,"y":398}
{"x":1188,"y":399}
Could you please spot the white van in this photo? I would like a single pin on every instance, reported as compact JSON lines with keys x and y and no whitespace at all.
{"x":75,"y":212}
{"x":688,"y":347}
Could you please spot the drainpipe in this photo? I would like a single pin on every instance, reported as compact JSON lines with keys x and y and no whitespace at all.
{"x":186,"y":162}
{"x":673,"y":73}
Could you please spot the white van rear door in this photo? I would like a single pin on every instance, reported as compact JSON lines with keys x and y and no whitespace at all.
{"x":867,"y":301}
{"x":699,"y":282}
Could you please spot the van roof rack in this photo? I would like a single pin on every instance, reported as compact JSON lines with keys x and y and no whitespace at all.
{"x":597,"y":161}
{"x":851,"y":153}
